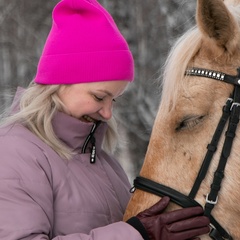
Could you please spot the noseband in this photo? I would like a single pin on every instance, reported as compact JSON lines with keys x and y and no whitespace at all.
{"x":230,"y":113}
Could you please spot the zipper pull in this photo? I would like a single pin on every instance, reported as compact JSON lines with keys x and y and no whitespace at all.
{"x":91,"y":138}
{"x":93,"y":151}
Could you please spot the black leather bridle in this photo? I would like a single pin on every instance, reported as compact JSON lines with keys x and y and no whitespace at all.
{"x":230,"y":113}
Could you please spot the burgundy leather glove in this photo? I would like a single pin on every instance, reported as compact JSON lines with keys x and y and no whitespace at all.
{"x":182,"y":224}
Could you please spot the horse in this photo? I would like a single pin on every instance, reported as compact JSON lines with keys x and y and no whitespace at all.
{"x":193,"y":153}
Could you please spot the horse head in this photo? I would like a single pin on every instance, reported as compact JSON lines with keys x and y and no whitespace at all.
{"x":189,"y":112}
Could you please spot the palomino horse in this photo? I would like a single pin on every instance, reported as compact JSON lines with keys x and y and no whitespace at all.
{"x":200,"y":84}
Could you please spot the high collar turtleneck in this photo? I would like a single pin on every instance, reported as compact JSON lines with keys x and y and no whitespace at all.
{"x":74,"y":132}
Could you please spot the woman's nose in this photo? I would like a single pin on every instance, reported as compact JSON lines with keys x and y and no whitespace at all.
{"x":106,"y":111}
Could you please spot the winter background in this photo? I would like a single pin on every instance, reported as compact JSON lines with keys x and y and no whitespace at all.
{"x":149,"y":26}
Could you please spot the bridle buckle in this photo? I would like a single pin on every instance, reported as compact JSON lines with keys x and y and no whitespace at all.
{"x":234,"y":104}
{"x":211,"y":201}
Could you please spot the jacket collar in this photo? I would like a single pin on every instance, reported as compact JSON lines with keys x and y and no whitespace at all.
{"x":74,"y":132}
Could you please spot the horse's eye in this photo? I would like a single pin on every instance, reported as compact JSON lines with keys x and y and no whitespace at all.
{"x":189,"y":122}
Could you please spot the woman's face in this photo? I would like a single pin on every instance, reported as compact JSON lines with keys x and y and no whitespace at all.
{"x":91,"y":101}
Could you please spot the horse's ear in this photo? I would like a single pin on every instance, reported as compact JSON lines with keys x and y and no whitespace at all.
{"x":215,"y":21}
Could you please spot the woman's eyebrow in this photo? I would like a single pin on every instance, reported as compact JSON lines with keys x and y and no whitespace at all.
{"x":107,"y":92}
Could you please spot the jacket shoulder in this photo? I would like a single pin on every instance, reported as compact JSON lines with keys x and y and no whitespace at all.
{"x":22,"y":155}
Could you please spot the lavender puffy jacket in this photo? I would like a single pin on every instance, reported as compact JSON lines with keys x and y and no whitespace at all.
{"x":44,"y":197}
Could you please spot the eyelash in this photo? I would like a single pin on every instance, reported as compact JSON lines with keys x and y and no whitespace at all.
{"x":98,"y":98}
{"x":101,"y":99}
{"x":190,"y":122}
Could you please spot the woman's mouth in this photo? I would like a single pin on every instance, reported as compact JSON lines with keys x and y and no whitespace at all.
{"x":88,"y":119}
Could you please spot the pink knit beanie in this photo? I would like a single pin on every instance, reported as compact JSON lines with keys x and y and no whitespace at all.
{"x":84,"y":45}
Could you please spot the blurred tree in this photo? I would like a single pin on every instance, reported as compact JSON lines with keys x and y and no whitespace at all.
{"x":150,"y":28}
{"x":24,"y":25}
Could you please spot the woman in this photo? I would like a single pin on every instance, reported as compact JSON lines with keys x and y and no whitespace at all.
{"x":57,"y":180}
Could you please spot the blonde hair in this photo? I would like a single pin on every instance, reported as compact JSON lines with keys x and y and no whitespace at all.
{"x":178,"y":59}
{"x":37,"y":106}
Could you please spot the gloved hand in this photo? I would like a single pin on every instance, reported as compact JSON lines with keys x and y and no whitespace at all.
{"x":182,"y":224}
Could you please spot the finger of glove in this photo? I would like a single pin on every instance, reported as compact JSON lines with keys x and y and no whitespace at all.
{"x":180,"y":214}
{"x":157,"y":208}
{"x":189,"y":234}
{"x":187,"y":224}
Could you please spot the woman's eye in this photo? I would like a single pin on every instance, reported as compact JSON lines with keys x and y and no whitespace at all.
{"x":99,"y":99}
